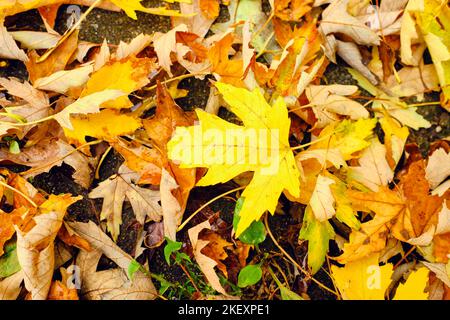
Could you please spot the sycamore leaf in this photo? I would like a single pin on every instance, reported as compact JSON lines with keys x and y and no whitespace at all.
{"x":119,"y":187}
{"x":127,"y":75}
{"x":112,"y":284}
{"x":107,"y":124}
{"x":84,"y":105}
{"x":318,"y":235}
{"x":363,"y":279}
{"x":373,"y":170}
{"x":414,"y":287}
{"x":279,"y":170}
{"x":36,"y":248}
{"x":205,"y":263}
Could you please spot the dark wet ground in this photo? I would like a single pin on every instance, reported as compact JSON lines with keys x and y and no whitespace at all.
{"x":115,"y":27}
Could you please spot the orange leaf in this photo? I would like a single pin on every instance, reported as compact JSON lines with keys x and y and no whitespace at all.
{"x":210,"y":8}
{"x":442,"y":247}
{"x":292,"y":10}
{"x":57,"y":61}
{"x":7,"y":221}
{"x":230,"y":71}
{"x":216,"y":249}
{"x":59,"y":291}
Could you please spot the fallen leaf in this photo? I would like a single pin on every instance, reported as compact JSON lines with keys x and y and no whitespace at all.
{"x":9,"y":48}
{"x":414,"y":287}
{"x":252,"y":108}
{"x":127,"y":75}
{"x":122,"y":186}
{"x":363,"y":279}
{"x":36,"y":247}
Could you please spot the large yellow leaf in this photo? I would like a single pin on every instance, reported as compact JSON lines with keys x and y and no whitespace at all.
{"x":103,"y":125}
{"x":363,"y":279}
{"x":127,"y":75}
{"x":413,"y":288}
{"x":227,"y":150}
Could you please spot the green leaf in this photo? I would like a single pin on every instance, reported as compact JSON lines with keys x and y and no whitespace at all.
{"x":9,"y":264}
{"x":133,"y":267}
{"x":171,"y":247}
{"x":249,"y":275}
{"x":14,"y":147}
{"x":254,"y":234}
{"x":286,"y":294}
{"x":318,"y":235}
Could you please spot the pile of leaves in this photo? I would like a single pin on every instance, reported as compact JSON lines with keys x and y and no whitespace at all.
{"x":367,"y":211}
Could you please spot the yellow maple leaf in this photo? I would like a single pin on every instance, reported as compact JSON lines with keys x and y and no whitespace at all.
{"x":363,"y":279}
{"x":127,"y":75}
{"x":261,"y":145}
{"x":413,"y":288}
{"x":103,"y":125}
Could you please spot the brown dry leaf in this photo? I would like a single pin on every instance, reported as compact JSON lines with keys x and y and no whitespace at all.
{"x":57,"y":61}
{"x":215,"y":249}
{"x":8,"y":47}
{"x":36,"y":247}
{"x":171,"y":209}
{"x":59,"y":291}
{"x":71,"y":238}
{"x":141,"y":159}
{"x":110,"y":284}
{"x":205,"y":263}
{"x":10,"y":287}
{"x":292,"y":10}
{"x":49,"y":153}
{"x":371,"y":237}
{"x":196,"y":23}
{"x":123,"y":186}
{"x":423,"y":209}
{"x":160,"y":129}
{"x":49,"y":14}
{"x":135,"y":46}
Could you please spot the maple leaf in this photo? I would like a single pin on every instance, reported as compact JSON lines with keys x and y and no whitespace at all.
{"x":363,"y":279}
{"x":267,"y":184}
{"x":126,"y":75}
{"x":119,"y":187}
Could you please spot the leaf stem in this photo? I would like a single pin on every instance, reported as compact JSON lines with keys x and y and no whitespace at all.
{"x":20,"y":193}
{"x":207,"y":204}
